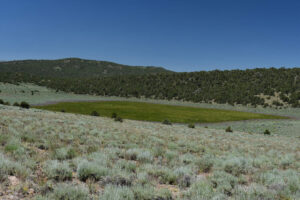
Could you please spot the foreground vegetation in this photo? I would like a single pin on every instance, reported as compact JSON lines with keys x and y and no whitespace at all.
{"x":47,"y":155}
{"x":155,"y":112}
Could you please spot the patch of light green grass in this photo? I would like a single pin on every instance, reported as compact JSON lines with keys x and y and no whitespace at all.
{"x":155,"y":112}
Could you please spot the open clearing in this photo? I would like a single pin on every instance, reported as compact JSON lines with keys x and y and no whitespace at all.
{"x":155,"y":112}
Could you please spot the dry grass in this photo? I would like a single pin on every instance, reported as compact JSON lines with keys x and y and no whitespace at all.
{"x":140,"y":160}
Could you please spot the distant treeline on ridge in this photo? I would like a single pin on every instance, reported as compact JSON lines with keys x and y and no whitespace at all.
{"x":253,"y":86}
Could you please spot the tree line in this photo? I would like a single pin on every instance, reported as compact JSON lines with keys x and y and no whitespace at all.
{"x":229,"y":86}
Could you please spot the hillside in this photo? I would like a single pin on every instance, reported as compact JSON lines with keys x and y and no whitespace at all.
{"x":48,"y":155}
{"x":256,"y":86}
{"x":74,"y":68}
{"x":265,"y":87}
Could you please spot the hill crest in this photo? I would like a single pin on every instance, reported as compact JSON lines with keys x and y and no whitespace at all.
{"x":75,"y":68}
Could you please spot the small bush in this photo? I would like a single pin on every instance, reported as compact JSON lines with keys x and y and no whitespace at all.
{"x":144,"y":192}
{"x":62,"y":110}
{"x":16,"y":104}
{"x":166,"y":122}
{"x":191,"y":125}
{"x":267,"y":132}
{"x":118,"y":119}
{"x":205,"y":164}
{"x":128,"y":165}
{"x":254,"y":191}
{"x":8,"y":167}
{"x":228,"y":129}
{"x":118,"y":177}
{"x":70,"y":192}
{"x":59,"y":171}
{"x":91,"y":170}
{"x":24,"y":105}
{"x":64,"y":153}
{"x":164,"y":175}
{"x":3,"y":139}
{"x":184,"y":175}
{"x":145,"y":156}
{"x":187,"y":158}
{"x":200,"y":190}
{"x":11,"y":147}
{"x":131,"y":154}
{"x":117,"y":193}
{"x":1,"y":101}
{"x":95,"y":113}
{"x":163,"y":194}
{"x":114,"y":115}
{"x":29,"y":137}
{"x":223,"y":182}
{"x":236,"y":166}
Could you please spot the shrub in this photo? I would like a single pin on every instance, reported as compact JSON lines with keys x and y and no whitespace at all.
{"x":166,"y":122}
{"x":228,"y":129}
{"x":91,"y":170}
{"x":114,"y":115}
{"x":1,"y":101}
{"x":236,"y":166}
{"x":184,"y":174}
{"x":24,"y":105}
{"x":59,"y":171}
{"x":143,"y":192}
{"x":62,"y":110}
{"x":117,"y":193}
{"x":286,"y":161}
{"x":8,"y":167}
{"x":64,"y":153}
{"x":16,"y":104}
{"x":118,"y":119}
{"x":3,"y":139}
{"x":164,"y":175}
{"x":205,"y":163}
{"x":139,"y":155}
{"x":187,"y":158}
{"x":223,"y":182}
{"x":254,"y":191}
{"x":6,"y":103}
{"x":11,"y":147}
{"x":29,"y":137}
{"x":70,"y":192}
{"x":267,"y":132}
{"x":119,"y":177}
{"x":191,"y":125}
{"x":142,"y":178}
{"x":95,"y":113}
{"x":277,"y":103}
{"x":163,"y":194}
{"x":129,"y":166}
{"x":131,"y":154}
{"x":200,"y":190}
{"x":145,"y":156}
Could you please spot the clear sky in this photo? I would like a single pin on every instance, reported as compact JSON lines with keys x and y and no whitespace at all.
{"x":180,"y":35}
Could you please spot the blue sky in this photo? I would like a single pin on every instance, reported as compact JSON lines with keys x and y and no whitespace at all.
{"x":185,"y":35}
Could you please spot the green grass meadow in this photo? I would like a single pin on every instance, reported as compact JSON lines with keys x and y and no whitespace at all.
{"x":155,"y":112}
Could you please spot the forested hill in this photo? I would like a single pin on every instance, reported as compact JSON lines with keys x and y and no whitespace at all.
{"x":75,"y":68}
{"x":267,"y":87}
